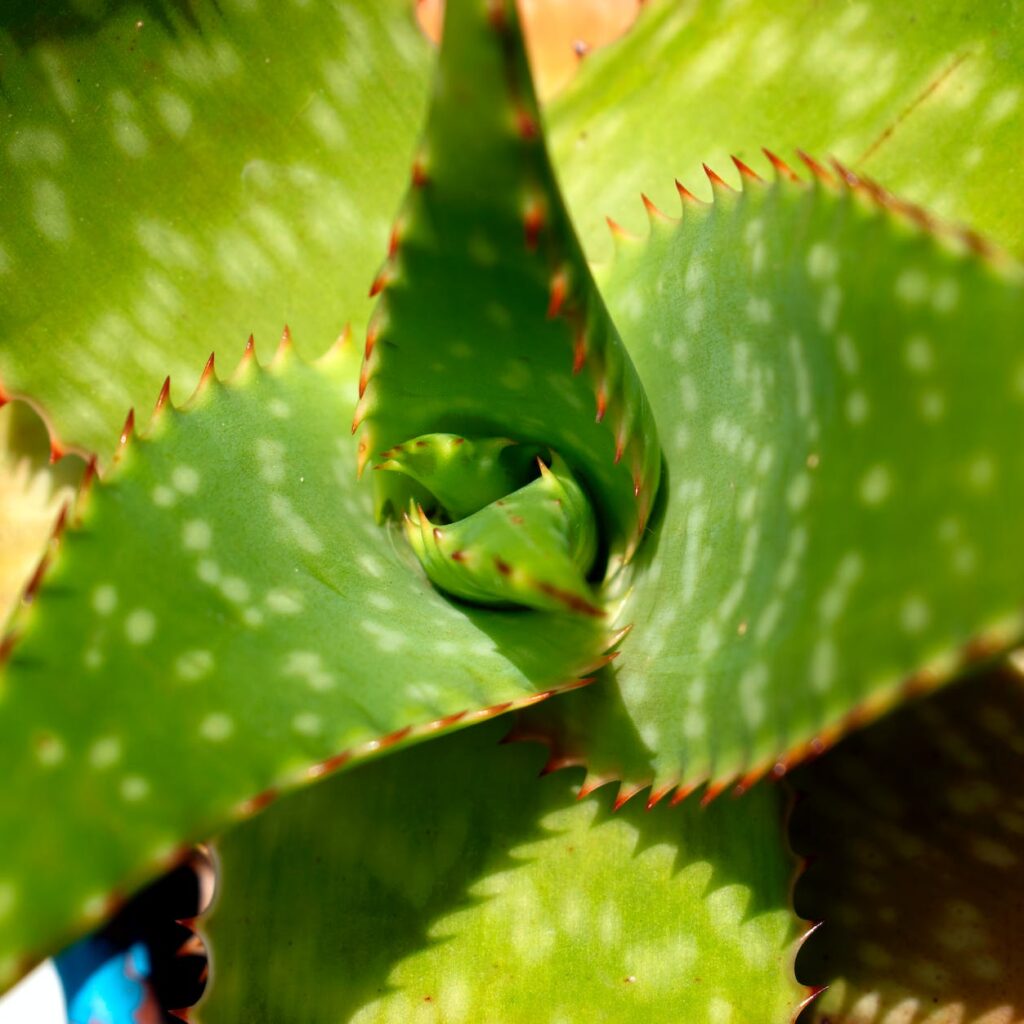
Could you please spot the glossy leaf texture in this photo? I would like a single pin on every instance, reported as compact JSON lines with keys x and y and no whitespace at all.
{"x":223,"y":619}
{"x":489,"y":324}
{"x":454,"y":885}
{"x":926,"y":98}
{"x":173,"y":172}
{"x":840,"y":394}
{"x":913,"y":830}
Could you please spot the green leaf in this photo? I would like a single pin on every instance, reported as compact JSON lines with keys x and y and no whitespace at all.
{"x":500,"y":897}
{"x":841,"y":400}
{"x":462,"y":476}
{"x":178,"y":172}
{"x":223,"y":621}
{"x":532,"y":548}
{"x":924,"y":97}
{"x":913,"y":829}
{"x":489,"y":323}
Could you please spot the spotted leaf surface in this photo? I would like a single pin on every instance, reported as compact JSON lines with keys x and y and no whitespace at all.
{"x":841,"y":400}
{"x":926,"y":98}
{"x":187,"y":171}
{"x":224,"y":619}
{"x":489,"y":322}
{"x":914,"y":832}
{"x":512,"y":900}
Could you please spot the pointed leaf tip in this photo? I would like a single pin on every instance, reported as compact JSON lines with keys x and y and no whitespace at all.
{"x":717,"y":182}
{"x":161,"y":399}
{"x":745,"y":171}
{"x":782,"y":169}
{"x":128,"y":429}
{"x":652,"y":211}
{"x":686,"y":195}
{"x":817,"y":169}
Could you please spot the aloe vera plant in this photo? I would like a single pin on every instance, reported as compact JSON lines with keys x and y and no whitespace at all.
{"x":656,"y":523}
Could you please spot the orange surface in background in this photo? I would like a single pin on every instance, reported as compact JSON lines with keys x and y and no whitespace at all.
{"x":558,"y":33}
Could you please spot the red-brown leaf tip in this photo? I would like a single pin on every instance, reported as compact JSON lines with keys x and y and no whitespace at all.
{"x":161,"y":399}
{"x":817,"y":169}
{"x":685,"y":194}
{"x":716,"y":180}
{"x":128,"y":429}
{"x":209,"y":371}
{"x":745,"y":171}
{"x":559,"y":286}
{"x":652,"y":211}
{"x":782,"y":169}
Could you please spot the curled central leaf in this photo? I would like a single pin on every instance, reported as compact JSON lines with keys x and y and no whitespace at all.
{"x":532,"y":547}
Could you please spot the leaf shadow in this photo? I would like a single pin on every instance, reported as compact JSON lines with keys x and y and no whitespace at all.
{"x":328,"y":893}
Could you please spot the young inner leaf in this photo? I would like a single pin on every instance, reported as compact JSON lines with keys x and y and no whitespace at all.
{"x":534,"y":548}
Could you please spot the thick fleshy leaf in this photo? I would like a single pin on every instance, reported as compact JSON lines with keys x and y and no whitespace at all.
{"x":840,"y":395}
{"x":460,"y":475}
{"x":32,"y":493}
{"x":914,"y":833}
{"x":532,"y":548}
{"x":926,"y":98}
{"x":451,"y":884}
{"x":223,"y":620}
{"x":489,"y":323}
{"x":173,"y":172}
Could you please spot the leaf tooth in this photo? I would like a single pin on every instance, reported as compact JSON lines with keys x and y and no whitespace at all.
{"x":783,"y":171}
{"x":653,"y":213}
{"x":619,"y":233}
{"x":382,"y":280}
{"x":285,"y":348}
{"x":625,"y":794}
{"x":659,"y":794}
{"x":746,"y":173}
{"x":395,"y":238}
{"x":718,"y":184}
{"x":127,"y":431}
{"x":556,"y":762}
{"x":686,"y":196}
{"x":372,"y":331}
{"x":162,"y":398}
{"x":526,"y":124}
{"x":558,"y":289}
{"x":602,"y":400}
{"x":255,"y":804}
{"x":682,"y":792}
{"x":533,"y":222}
{"x":712,"y":791}
{"x":592,"y":783}
{"x":419,"y":176}
{"x":328,"y":766}
{"x":394,"y":737}
{"x":579,"y":351}
{"x":817,"y":169}
{"x":209,"y":374}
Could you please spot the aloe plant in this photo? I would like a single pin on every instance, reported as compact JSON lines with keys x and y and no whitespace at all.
{"x":659,"y":522}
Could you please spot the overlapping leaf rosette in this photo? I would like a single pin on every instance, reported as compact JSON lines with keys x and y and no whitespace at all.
{"x":686,"y":519}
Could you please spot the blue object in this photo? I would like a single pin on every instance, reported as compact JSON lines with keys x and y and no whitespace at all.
{"x":105,"y":985}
